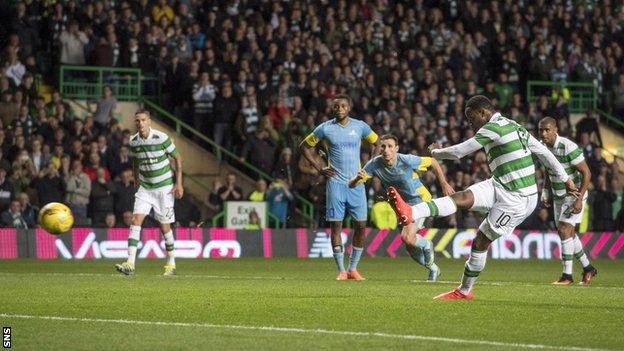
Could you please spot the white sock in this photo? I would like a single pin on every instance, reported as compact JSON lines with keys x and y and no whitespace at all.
{"x":442,"y":207}
{"x":567,"y":251}
{"x":169,"y":241}
{"x":472,"y":269}
{"x":579,"y":253}
{"x":133,"y":241}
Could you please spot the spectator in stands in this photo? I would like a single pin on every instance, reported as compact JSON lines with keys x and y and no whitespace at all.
{"x":259,"y":150}
{"x":124,"y":193}
{"x":94,"y":165}
{"x":120,"y":162}
{"x":49,"y":185}
{"x":539,"y":220}
{"x":37,"y":157}
{"x":105,"y":109}
{"x":78,"y":190}
{"x":12,"y":217}
{"x":230,"y":191}
{"x":186,"y":212}
{"x":102,"y":198}
{"x":285,"y":167}
{"x":618,"y":97}
{"x":214,"y":203}
{"x":226,"y":109}
{"x":25,"y":121}
{"x":6,"y":190}
{"x":110,"y":221}
{"x":278,"y":197}
{"x":9,"y":109}
{"x":204,"y":94}
{"x":259,"y":194}
{"x":29,"y":212}
{"x":72,"y":45}
{"x":254,"y":221}
{"x":596,"y":162}
{"x":4,"y":163}
{"x":603,"y":205}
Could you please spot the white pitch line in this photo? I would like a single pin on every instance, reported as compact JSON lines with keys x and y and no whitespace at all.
{"x":307,"y":331}
{"x":495,"y":283}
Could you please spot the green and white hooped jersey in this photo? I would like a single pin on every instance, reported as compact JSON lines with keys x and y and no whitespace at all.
{"x":569,"y":155}
{"x":152,"y":155}
{"x":506,"y":145}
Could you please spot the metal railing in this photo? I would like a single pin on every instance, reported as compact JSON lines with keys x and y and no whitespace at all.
{"x":305,"y":206}
{"x":610,"y":119}
{"x":87,"y":82}
{"x":583,"y":96}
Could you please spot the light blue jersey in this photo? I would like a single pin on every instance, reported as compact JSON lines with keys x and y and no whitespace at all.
{"x":402,"y":175}
{"x":342,"y":143}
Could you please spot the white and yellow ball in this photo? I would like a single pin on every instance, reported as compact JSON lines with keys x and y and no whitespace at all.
{"x":56,"y":218}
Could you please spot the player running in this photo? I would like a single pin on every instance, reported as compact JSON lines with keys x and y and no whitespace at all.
{"x":399,"y":170}
{"x":156,"y":185}
{"x":342,"y":137}
{"x":567,"y":209}
{"x":509,"y":197}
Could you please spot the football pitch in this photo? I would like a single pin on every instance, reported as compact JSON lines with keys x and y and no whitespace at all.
{"x":286,"y":304}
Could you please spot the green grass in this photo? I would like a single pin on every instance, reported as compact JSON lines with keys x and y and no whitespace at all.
{"x":514,"y":304}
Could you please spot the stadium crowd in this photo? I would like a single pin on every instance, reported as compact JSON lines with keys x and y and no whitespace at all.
{"x":257,"y":76}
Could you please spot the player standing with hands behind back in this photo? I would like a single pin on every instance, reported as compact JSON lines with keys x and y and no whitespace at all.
{"x":568,"y":209}
{"x":342,"y":137}
{"x":157,"y":186}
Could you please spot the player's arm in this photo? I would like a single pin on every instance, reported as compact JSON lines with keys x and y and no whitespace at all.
{"x":586,"y":174}
{"x":447,"y":189}
{"x":172,"y":151}
{"x":307,"y":150}
{"x":545,"y":198}
{"x":455,"y":152}
{"x":551,"y":162}
{"x":373,"y":139}
{"x":361,"y":178}
{"x":135,"y":172}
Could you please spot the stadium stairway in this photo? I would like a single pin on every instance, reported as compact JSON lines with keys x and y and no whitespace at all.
{"x":201,"y":167}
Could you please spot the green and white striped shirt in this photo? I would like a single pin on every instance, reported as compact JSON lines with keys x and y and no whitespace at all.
{"x":509,"y":148}
{"x":152,"y":155}
{"x":569,"y":155}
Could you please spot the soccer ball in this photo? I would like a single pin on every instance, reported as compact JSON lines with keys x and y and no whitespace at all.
{"x":56,"y":218}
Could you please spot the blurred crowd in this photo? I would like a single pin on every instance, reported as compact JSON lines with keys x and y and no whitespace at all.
{"x":257,"y":77}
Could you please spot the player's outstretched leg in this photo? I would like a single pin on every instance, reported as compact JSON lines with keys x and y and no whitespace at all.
{"x":170,"y":266}
{"x":127,"y":267}
{"x":589,"y":272}
{"x":420,"y":250}
{"x":472,"y":269}
{"x":443,"y":206}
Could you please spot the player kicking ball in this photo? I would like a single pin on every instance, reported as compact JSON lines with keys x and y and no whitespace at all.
{"x":567,"y":209}
{"x":399,"y":171}
{"x":156,"y":187}
{"x":342,"y":136}
{"x":509,"y":197}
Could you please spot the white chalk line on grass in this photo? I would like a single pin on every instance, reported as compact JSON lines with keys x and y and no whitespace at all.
{"x":306,"y":331}
{"x":234,"y":277}
{"x":510,"y":283}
